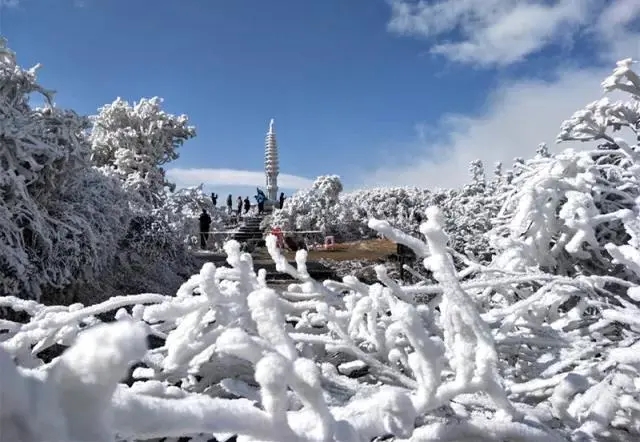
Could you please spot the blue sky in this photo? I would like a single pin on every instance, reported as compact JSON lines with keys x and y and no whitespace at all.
{"x":380,"y":92}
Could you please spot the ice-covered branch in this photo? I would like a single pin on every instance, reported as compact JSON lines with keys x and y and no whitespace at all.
{"x":71,"y":399}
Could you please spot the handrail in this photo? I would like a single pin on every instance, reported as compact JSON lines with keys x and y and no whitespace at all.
{"x":283,"y":231}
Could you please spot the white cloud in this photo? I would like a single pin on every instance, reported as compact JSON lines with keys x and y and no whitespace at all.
{"x":615,"y":27}
{"x":502,"y":32}
{"x":232,"y":177}
{"x":520,"y":115}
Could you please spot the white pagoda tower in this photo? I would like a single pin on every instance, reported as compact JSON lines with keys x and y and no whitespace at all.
{"x":271,"y":166}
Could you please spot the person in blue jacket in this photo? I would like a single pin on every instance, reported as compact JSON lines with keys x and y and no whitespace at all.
{"x":260,"y":198}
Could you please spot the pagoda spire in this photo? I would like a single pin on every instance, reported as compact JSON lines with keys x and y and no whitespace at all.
{"x":271,"y":164}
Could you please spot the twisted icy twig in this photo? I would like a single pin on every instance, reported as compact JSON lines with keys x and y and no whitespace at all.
{"x":463,"y":326}
{"x":71,"y":399}
{"x":465,"y":332}
{"x":300,"y":273}
{"x":51,"y":324}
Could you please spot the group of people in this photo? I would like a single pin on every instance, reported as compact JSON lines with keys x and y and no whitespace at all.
{"x":245,"y":204}
{"x":205,"y":218}
{"x":240,"y":203}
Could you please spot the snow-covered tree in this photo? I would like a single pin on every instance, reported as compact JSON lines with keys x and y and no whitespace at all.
{"x":82,"y":218}
{"x":185,"y":206}
{"x":562,"y":210}
{"x":310,"y":209}
{"x":543,"y":150}
{"x":328,"y":187}
{"x":477,"y":174}
{"x":469,"y":212}
{"x":133,"y":142}
{"x":59,"y":219}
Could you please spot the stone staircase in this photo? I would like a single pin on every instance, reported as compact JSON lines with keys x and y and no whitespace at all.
{"x":249,"y":230}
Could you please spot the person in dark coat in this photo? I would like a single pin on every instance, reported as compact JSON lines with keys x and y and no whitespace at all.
{"x":205,"y":225}
{"x":229,"y":204}
{"x":239,"y":203}
{"x":214,"y":199}
{"x":247,"y":205}
{"x":281,"y":199}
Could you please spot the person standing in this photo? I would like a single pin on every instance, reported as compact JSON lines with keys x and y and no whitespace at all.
{"x":205,"y":225}
{"x":214,"y":199}
{"x":247,"y":205}
{"x":229,"y":204}
{"x":239,"y":203}
{"x":281,"y":199}
{"x":260,"y":198}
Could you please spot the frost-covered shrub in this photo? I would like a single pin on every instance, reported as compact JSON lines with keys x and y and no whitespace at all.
{"x":59,"y":218}
{"x":133,"y":142}
{"x":310,"y":209}
{"x":227,"y":327}
{"x":328,"y":187}
{"x":186,"y":205}
{"x":334,"y":361}
{"x":79,"y":216}
{"x":469,"y":212}
{"x":561,"y":210}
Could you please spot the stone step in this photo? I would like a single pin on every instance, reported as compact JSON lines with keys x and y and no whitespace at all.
{"x":253,"y":226}
{"x":247,"y":229}
{"x":249,"y":232}
{"x":243,"y":238}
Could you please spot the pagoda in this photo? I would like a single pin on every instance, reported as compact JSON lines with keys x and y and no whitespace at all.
{"x":271,"y":166}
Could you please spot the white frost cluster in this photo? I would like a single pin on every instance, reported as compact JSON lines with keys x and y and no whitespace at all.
{"x":226,"y":335}
{"x":84,"y":209}
{"x":60,"y":219}
{"x":133,"y":141}
{"x":240,"y":358}
{"x":469,"y":211}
